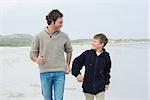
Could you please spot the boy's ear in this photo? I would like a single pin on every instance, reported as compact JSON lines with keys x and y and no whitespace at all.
{"x":102,"y":44}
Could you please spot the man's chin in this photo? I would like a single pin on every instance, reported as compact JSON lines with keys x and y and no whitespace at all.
{"x":58,"y":29}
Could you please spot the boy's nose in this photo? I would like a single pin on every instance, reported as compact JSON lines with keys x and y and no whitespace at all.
{"x":92,"y":43}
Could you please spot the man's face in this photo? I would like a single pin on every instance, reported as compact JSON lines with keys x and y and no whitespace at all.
{"x":96,"y":45}
{"x":58,"y":24}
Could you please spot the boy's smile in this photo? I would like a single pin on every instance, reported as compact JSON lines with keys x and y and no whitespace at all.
{"x":97,"y":45}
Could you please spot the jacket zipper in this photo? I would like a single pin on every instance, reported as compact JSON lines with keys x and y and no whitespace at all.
{"x":95,"y":73}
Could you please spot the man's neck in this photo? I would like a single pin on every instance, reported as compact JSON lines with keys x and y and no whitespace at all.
{"x":51,"y":29}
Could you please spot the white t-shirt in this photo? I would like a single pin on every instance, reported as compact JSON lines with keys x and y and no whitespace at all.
{"x":98,"y":53}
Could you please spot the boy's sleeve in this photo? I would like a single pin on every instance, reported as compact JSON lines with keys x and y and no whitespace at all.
{"x":77,"y":64}
{"x":68,"y":46}
{"x":34,"y":47}
{"x":107,"y":71}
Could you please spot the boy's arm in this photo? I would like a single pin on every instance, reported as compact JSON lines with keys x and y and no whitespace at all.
{"x":77,"y":64}
{"x":107,"y":70}
{"x":80,"y":78}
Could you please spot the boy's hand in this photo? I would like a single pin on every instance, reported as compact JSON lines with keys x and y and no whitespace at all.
{"x":80,"y":78}
{"x":106,"y":87}
{"x":67,"y":69}
{"x":39,"y":60}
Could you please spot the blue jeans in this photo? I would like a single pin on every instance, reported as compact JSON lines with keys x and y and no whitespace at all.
{"x":50,"y":80}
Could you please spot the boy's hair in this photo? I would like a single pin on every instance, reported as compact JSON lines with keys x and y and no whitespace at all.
{"x":102,"y":38}
{"x":53,"y":16}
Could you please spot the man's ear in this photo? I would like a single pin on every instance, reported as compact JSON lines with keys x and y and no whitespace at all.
{"x":52,"y":22}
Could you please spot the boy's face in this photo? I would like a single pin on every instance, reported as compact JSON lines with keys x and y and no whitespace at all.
{"x":58,"y":24}
{"x":96,"y":45}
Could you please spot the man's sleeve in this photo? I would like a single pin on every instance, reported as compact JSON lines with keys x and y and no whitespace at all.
{"x":34,"y":47}
{"x":68,"y":47}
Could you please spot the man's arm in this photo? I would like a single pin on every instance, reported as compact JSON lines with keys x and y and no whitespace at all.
{"x":68,"y":60}
{"x":34,"y":53}
{"x":68,"y":49}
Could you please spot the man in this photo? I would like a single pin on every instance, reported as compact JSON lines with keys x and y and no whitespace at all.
{"x":47,"y":51}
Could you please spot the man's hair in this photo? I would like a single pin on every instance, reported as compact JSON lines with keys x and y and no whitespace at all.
{"x":53,"y":16}
{"x":102,"y":38}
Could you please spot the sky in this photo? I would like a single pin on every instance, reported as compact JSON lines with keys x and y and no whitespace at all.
{"x":118,"y":19}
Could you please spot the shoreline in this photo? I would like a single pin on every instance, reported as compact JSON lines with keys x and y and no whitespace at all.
{"x":114,"y":44}
{"x":86,"y":44}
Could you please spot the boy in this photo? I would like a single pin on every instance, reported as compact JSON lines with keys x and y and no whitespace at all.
{"x":97,"y":69}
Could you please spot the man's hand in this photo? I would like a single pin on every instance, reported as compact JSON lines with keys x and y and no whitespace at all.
{"x":39,"y":60}
{"x":80,"y":78}
{"x":106,"y":87}
{"x":67,"y":69}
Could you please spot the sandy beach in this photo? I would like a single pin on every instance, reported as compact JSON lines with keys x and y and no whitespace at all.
{"x":19,"y":76}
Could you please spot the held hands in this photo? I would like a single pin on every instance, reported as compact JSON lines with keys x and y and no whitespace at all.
{"x":39,"y":60}
{"x":67,"y":69}
{"x":80,"y":78}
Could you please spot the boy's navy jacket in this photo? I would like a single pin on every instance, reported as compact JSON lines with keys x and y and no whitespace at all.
{"x":97,"y":70}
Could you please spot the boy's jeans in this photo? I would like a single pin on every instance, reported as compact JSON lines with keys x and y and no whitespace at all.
{"x":52,"y":79}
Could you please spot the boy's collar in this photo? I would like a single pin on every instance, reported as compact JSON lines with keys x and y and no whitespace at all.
{"x":102,"y":53}
{"x":103,"y":50}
